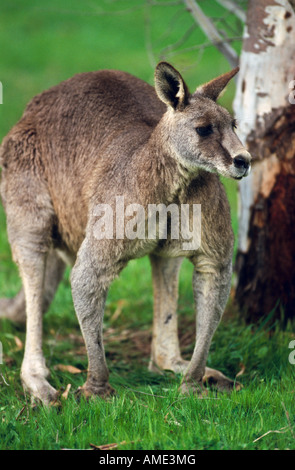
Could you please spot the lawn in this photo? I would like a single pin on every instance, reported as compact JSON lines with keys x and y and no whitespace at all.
{"x":43,"y":43}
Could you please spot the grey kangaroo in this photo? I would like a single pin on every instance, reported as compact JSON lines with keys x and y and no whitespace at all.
{"x":86,"y":141}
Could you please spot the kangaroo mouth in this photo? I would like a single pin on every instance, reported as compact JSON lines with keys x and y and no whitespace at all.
{"x":243,"y":175}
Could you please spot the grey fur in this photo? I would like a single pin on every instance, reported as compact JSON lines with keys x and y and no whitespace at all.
{"x":84,"y":142}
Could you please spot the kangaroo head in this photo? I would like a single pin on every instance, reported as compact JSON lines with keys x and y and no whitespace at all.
{"x":201,"y":133}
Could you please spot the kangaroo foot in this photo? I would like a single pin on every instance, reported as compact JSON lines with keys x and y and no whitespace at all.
{"x":193,"y":387}
{"x":35,"y":383}
{"x":39,"y":390}
{"x":212,"y":378}
{"x":216,"y":379}
{"x":94,"y":390}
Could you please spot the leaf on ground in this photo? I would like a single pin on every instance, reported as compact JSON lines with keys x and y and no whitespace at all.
{"x":19,"y":344}
{"x":120,"y":304}
{"x":2,"y":378}
{"x":279,"y":431}
{"x":241,"y":371}
{"x":68,"y":368}
{"x":114,"y":445}
{"x":65,"y":394}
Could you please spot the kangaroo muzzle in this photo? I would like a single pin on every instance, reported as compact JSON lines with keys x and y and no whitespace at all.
{"x":242,"y":164}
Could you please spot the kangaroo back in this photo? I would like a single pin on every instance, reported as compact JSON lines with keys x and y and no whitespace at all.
{"x":76,"y":127}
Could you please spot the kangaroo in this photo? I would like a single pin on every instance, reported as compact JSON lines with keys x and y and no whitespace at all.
{"x":86,"y":141}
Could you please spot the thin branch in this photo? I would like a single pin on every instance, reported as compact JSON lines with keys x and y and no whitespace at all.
{"x":228,"y":27}
{"x":171,"y":25}
{"x":179,"y":43}
{"x":211,"y":32}
{"x":165,"y":4}
{"x":280,"y":431}
{"x":3,"y":378}
{"x":147,"y":34}
{"x":233,"y":8}
{"x":199,"y":47}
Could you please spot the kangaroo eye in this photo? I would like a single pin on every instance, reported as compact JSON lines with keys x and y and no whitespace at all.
{"x":204,"y":131}
{"x":234,"y":124}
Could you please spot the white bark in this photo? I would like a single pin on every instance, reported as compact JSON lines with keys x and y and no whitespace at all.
{"x":263,"y":86}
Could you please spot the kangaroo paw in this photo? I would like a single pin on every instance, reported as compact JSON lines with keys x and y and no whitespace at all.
{"x":216,"y":379}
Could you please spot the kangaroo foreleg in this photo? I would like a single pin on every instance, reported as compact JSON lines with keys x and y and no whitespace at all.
{"x":211,"y":291}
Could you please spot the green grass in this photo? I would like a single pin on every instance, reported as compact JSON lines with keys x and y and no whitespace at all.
{"x":148,"y":413}
{"x":43,"y":43}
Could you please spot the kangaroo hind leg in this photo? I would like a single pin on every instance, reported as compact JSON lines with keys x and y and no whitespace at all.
{"x":165,"y":354}
{"x":15,"y":308}
{"x":29,"y":226}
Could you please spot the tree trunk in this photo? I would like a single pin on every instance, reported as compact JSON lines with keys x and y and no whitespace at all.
{"x":265,"y":263}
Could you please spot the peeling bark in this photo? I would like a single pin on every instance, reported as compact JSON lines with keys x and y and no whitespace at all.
{"x":265,"y":262}
{"x":266,"y":270}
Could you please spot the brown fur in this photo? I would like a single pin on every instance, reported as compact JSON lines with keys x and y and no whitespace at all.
{"x":84,"y":142}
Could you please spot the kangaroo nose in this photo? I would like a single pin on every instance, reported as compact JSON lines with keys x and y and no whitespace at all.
{"x":241,"y":162}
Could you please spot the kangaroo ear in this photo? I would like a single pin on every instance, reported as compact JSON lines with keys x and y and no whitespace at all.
{"x":170,"y":86}
{"x":213,"y":88}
